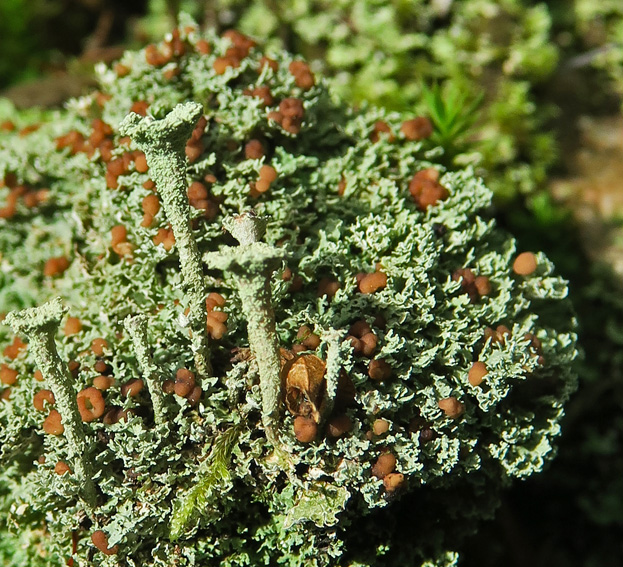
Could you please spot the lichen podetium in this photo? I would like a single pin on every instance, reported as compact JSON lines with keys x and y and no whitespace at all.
{"x":40,"y":324}
{"x":164,"y":142}
{"x":253,"y":264}
{"x":137,"y":329}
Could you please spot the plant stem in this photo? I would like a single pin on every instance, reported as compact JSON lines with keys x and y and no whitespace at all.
{"x":164,"y":142}
{"x":40,"y":324}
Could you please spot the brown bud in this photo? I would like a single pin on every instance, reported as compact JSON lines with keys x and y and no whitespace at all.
{"x":151,"y":205}
{"x":215,"y":324}
{"x":194,"y":397}
{"x":185,"y":375}
{"x":482,"y":285}
{"x":254,"y":149}
{"x":52,"y":424}
{"x":13,"y":350}
{"x":368,"y":344}
{"x":417,"y":128}
{"x":98,"y":346}
{"x":73,"y":366}
{"x":182,"y":389}
{"x":140,"y":163}
{"x":371,"y":283}
{"x":8,"y":375}
{"x":140,"y":107}
{"x":359,"y":328}
{"x":203,"y":47}
{"x":381,"y":126}
{"x":268,"y":173}
{"x":103,"y":382}
{"x":43,"y":396}
{"x":55,"y":266}
{"x":214,"y":300}
{"x":328,"y":287}
{"x":309,"y":340}
{"x":72,"y":326}
{"x":132,"y":388}
{"x":102,"y":367}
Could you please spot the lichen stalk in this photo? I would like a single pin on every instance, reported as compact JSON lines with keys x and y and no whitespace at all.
{"x":137,"y":329}
{"x":334,"y":365}
{"x":39,"y":325}
{"x":255,"y":296}
{"x":253,"y":263}
{"x":163,"y":142}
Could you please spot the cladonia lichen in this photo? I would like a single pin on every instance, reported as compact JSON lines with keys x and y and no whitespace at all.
{"x":377,"y":345}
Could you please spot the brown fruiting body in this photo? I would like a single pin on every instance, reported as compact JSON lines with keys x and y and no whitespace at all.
{"x":525,"y":264}
{"x":42,"y":396}
{"x":100,"y":540}
{"x":132,"y":388}
{"x":305,"y":429}
{"x":339,"y":425}
{"x":99,"y":346}
{"x":426,"y":189}
{"x":103,"y":382}
{"x":13,"y":350}
{"x":370,"y":283}
{"x":73,"y":326}
{"x":379,"y":128}
{"x":379,"y":369}
{"x":417,"y":128}
{"x":8,"y":375}
{"x":380,"y":426}
{"x":451,"y":407}
{"x":61,"y":468}
{"x":477,"y":373}
{"x":385,"y":464}
{"x":91,"y":404}
{"x":328,"y":287}
{"x":393,"y":481}
{"x":52,"y":424}
{"x":55,"y":266}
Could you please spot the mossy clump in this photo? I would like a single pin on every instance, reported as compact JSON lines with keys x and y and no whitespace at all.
{"x":268,"y":321}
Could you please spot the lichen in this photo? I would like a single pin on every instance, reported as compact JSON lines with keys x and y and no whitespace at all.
{"x":376,"y":264}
